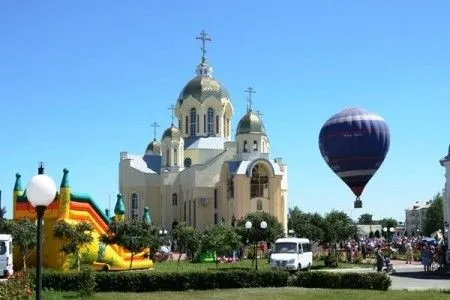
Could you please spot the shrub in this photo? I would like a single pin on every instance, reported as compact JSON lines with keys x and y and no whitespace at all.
{"x":18,"y":286}
{"x":371,"y":281}
{"x":148,"y":281}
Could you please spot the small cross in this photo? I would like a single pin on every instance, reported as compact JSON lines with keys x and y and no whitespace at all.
{"x":172,"y":108}
{"x":154,"y":125}
{"x":250,"y":91}
{"x":258,"y":113}
{"x":204,"y":37}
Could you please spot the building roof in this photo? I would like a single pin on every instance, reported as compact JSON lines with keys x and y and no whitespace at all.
{"x":201,"y":88}
{"x":447,"y":158}
{"x":420,"y":205}
{"x":146,"y":164}
{"x":196,"y":142}
{"x":250,"y":123}
{"x":172,"y":132}
{"x":243,"y":167}
{"x":154,"y":146}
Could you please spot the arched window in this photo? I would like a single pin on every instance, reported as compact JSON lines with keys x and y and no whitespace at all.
{"x":210,"y":121}
{"x":175,"y":157}
{"x":245,"y":146}
{"x":193,"y":117}
{"x":259,"y":183}
{"x":204,"y":123}
{"x":186,"y":125}
{"x":134,"y":206}
{"x":217,"y":124}
{"x":259,"y":204}
{"x":174,"y":199}
{"x":167,"y":158}
{"x":255,"y":146}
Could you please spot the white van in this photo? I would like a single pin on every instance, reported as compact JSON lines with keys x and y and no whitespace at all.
{"x":292,"y":254}
{"x":6,"y":255}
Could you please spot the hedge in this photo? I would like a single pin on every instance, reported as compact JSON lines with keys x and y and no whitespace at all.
{"x":338,"y":280}
{"x":147,"y":281}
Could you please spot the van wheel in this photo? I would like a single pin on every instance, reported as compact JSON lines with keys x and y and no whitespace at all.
{"x":299,"y":268}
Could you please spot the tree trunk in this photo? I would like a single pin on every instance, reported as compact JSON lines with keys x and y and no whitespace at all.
{"x":179,"y":258}
{"x":131,"y":260}
{"x":24,"y":257}
{"x":79,"y":261}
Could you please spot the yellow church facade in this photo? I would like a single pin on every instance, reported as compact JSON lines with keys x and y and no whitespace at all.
{"x":197,"y":173}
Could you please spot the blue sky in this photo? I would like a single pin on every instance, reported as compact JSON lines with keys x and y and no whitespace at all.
{"x":81,"y":81}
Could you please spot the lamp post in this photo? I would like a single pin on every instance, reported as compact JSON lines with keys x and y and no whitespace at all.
{"x":263,"y":226}
{"x":41,"y":191}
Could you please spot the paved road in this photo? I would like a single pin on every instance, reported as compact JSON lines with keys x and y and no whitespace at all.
{"x":411,"y":277}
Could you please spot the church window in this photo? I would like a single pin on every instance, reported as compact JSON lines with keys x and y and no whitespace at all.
{"x":259,"y":205}
{"x":167,"y":158}
{"x":216,"y":218}
{"x":245,"y":146}
{"x":198,"y":123}
{"x":186,"y":126}
{"x":187,"y":162}
{"x":174,"y":199}
{"x":193,"y":117}
{"x":215,"y":198}
{"x":259,"y":183}
{"x":190,"y":205}
{"x":230,"y":188}
{"x":217,"y":124}
{"x":228,"y":127}
{"x":204,"y":123}
{"x":195,"y":213}
{"x":210,"y":121}
{"x":175,"y":157}
{"x":134,"y":206}
{"x":255,"y":146}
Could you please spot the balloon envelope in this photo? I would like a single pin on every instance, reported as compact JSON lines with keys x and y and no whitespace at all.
{"x":354,"y":144}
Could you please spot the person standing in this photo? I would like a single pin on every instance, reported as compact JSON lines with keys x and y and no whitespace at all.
{"x":409,"y":252}
{"x":380,"y":259}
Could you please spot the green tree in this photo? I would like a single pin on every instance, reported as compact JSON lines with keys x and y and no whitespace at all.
{"x":434,"y":218}
{"x":256,"y":234}
{"x":221,"y":239}
{"x":338,"y":226}
{"x":74,"y":236}
{"x":134,"y":235}
{"x":388,"y":223}
{"x":24,"y":237}
{"x":377,"y":234}
{"x":365,"y":219}
{"x":188,"y":238}
{"x":306,"y":224}
{"x":273,"y":231}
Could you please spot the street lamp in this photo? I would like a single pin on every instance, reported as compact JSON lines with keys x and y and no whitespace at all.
{"x":41,"y":191}
{"x":263,"y":226}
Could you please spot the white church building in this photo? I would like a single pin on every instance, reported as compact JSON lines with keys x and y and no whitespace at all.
{"x":197,"y":173}
{"x":445,"y":162}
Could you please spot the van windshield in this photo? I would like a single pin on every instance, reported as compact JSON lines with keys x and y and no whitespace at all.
{"x":285,"y":248}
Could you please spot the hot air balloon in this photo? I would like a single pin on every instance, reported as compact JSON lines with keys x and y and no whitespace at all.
{"x":354,"y":143}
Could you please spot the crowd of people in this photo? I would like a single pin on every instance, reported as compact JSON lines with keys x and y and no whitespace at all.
{"x":428,"y":250}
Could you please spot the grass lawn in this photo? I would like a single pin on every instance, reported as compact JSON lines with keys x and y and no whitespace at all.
{"x":264,"y":293}
{"x":186,"y":266}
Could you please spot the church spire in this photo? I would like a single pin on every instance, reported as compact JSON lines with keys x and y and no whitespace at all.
{"x":250,"y":91}
{"x":154,"y":125}
{"x":204,"y":69}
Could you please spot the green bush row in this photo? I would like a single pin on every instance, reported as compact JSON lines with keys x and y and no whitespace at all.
{"x":147,"y":281}
{"x":338,"y":280}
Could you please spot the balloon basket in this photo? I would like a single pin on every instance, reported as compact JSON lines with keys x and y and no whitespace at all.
{"x":357,"y":204}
